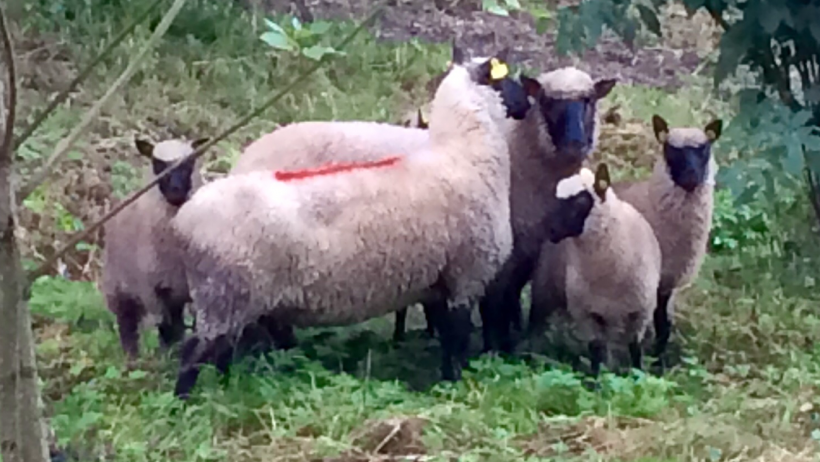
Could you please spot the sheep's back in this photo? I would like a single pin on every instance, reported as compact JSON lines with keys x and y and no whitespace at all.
{"x":310,"y":144}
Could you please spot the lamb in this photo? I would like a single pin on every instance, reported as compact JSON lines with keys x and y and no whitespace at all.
{"x":554,"y":140}
{"x":611,"y":263}
{"x":433,"y":226}
{"x":143,"y":280}
{"x":677,"y":200}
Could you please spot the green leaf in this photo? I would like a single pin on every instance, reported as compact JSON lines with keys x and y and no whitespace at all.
{"x":137,"y":374}
{"x":491,"y":6}
{"x":320,"y":27}
{"x":793,"y":162}
{"x":316,"y":52}
{"x":513,"y":4}
{"x":277,"y":40}
{"x":800,"y":119}
{"x":296,"y":23}
{"x":650,"y":19}
{"x":275,"y":27}
{"x":812,"y":143}
{"x":813,"y":161}
{"x":541,"y":25}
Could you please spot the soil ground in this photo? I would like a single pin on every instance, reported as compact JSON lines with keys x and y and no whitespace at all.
{"x":679,"y":53}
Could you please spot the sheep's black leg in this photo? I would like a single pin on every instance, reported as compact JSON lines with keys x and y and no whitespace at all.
{"x":453,"y":326}
{"x":636,"y":354}
{"x":282,"y":335}
{"x":597,"y":355}
{"x":192,"y":356}
{"x":663,"y":329}
{"x":197,"y":352}
{"x":172,"y":328}
{"x":510,"y":306}
{"x":223,"y":355}
{"x":488,"y":320}
{"x":399,"y":328}
{"x":129,"y":311}
{"x":431,"y":328}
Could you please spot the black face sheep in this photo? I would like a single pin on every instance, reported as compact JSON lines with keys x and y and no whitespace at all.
{"x":612,"y":263}
{"x":143,"y":279}
{"x":559,"y":133}
{"x":677,"y":200}
{"x":314,"y":143}
{"x":329,"y":248}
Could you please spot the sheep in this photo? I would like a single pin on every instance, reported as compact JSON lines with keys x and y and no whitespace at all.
{"x":677,"y":200}
{"x":553,"y":140}
{"x":558,"y":134}
{"x":610,"y":260}
{"x":307,"y":144}
{"x":143,"y":280}
{"x":431,"y":226}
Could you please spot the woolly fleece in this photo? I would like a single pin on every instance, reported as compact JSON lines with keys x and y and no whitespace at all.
{"x":612,"y":269}
{"x":140,"y":249}
{"x":259,"y":246}
{"x":681,"y":220}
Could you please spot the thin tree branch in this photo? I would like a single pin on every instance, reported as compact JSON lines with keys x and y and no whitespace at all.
{"x":63,"y":95}
{"x":8,"y":56}
{"x":78,"y":237}
{"x":66,"y":143}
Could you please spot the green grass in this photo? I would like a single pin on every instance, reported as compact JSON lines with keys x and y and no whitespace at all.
{"x":748,"y":387}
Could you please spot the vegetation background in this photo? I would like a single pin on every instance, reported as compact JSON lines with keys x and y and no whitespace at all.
{"x":748,"y":381}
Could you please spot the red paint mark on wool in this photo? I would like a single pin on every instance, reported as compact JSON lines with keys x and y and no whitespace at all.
{"x":332,"y":169}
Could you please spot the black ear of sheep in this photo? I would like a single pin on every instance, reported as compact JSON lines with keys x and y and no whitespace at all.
{"x":602,"y":181}
{"x":422,"y":122}
{"x":531,"y":86}
{"x":199,"y":142}
{"x":603,"y":87}
{"x":661,"y":128}
{"x":144,"y":147}
{"x":713,"y":130}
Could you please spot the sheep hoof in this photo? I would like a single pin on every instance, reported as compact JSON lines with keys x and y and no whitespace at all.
{"x":658,"y":367}
{"x":451,"y":374}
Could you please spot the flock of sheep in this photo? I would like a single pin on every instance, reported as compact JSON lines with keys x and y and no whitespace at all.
{"x":334,"y":223}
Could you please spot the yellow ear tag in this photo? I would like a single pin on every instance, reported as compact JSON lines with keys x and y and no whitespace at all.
{"x":422,"y":119}
{"x":662,"y":137}
{"x":498,"y":70}
{"x":602,"y":185}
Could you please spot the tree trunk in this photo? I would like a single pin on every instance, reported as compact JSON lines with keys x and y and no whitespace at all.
{"x":10,"y":279}
{"x":30,"y":403}
{"x":21,"y":421}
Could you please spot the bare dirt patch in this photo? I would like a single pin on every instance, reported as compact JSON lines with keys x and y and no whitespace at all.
{"x":393,"y":439}
{"x":687,"y":40}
